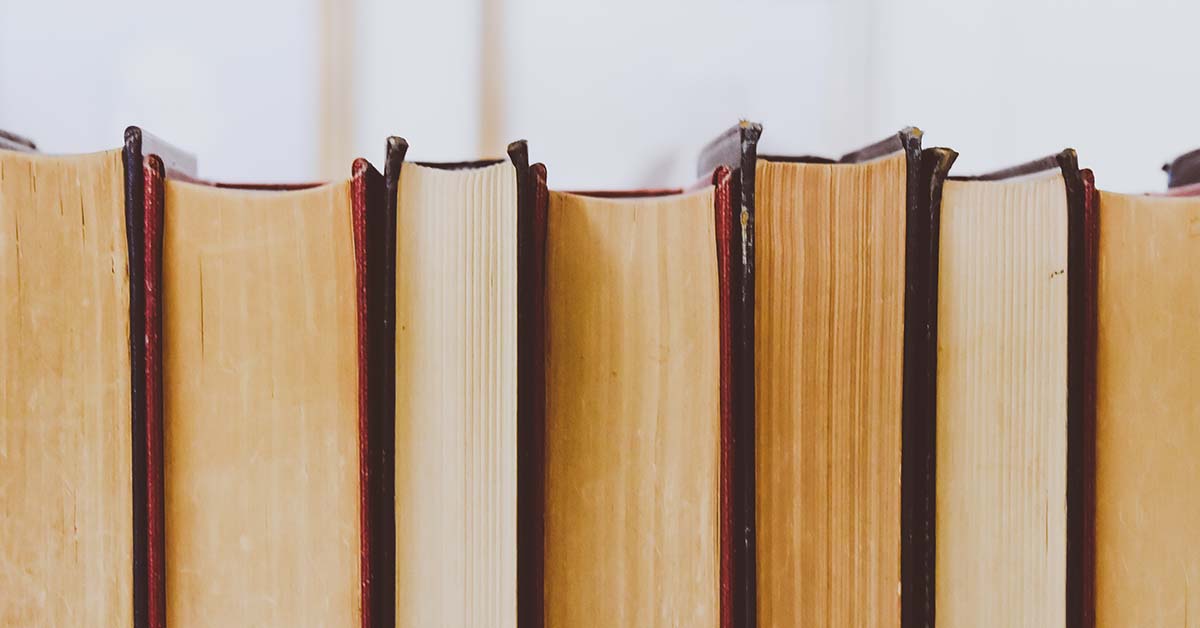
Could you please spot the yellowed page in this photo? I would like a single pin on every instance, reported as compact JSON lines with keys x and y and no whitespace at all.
{"x":829,"y":341}
{"x":632,"y":412}
{"x":66,"y":514}
{"x":1002,"y":404}
{"x":260,"y":416}
{"x":456,"y":396}
{"x":1147,"y":432}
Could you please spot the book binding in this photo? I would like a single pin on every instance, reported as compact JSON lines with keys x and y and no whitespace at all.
{"x":1083,"y":228}
{"x":147,"y":161}
{"x":736,"y":150}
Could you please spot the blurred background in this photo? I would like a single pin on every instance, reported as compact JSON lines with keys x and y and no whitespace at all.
{"x":609,"y":93}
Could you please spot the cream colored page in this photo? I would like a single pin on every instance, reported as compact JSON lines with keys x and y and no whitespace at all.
{"x":829,"y":341}
{"x":66,"y":538}
{"x":1002,"y":404}
{"x":260,"y":413}
{"x":456,"y":386}
{"x":1147,"y":427}
{"x":632,"y":412}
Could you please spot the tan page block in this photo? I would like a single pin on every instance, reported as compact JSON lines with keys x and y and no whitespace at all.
{"x":456,"y":397}
{"x":632,"y":412}
{"x":829,"y":344}
{"x":66,"y":486}
{"x":1148,"y":413}
{"x":260,"y":419}
{"x":1002,"y":404}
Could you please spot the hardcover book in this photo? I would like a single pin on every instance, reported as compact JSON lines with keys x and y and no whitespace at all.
{"x":466,"y":286}
{"x":260,"y":431}
{"x":838,"y":255}
{"x":74,"y":533}
{"x":67,"y":440}
{"x":1014,"y":402}
{"x":1146,"y":508}
{"x":637,"y":476}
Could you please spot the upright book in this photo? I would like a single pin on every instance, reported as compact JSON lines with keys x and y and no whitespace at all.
{"x":1147,"y":561}
{"x":260,"y":432}
{"x":67,"y":436}
{"x":464,"y":293}
{"x":838,"y":255}
{"x":74,"y":533}
{"x":637,"y":434}
{"x":1015,"y":295}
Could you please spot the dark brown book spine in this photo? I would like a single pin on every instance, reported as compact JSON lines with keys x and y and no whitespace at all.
{"x":916,"y":600}
{"x":919,"y":458}
{"x":376,"y":396}
{"x":745,"y":572}
{"x":1082,"y":277}
{"x":135,"y":199}
{"x":532,"y":204}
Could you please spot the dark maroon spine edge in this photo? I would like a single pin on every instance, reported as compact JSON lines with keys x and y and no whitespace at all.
{"x":919,"y":482}
{"x":722,"y":181}
{"x":156,"y":599}
{"x":532,"y":205}
{"x":376,"y":397}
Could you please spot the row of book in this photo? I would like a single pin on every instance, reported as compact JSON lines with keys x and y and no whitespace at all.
{"x":803,"y":392}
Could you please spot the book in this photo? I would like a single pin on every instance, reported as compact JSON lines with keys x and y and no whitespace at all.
{"x":466,"y":298}
{"x":73,"y":430}
{"x":67,"y":532}
{"x":1146,"y":560}
{"x":1183,"y":171}
{"x":840,"y":277}
{"x":1183,"y":174}
{"x":637,"y":407}
{"x":259,"y":430}
{"x":1013,"y":290}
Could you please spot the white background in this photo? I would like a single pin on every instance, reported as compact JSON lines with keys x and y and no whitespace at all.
{"x":609,"y":93}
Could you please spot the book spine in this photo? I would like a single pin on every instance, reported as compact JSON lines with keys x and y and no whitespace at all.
{"x":916,"y":599}
{"x":745,"y":575}
{"x":1082,"y":277}
{"x":736,"y":150}
{"x":135,"y":181}
{"x":532,"y":204}
{"x":151,"y":285}
{"x":722,"y":181}
{"x":375,"y":279}
{"x":919,"y":446}
{"x":1086,"y":434}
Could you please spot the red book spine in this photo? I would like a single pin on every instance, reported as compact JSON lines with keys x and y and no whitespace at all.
{"x":152,"y":284}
